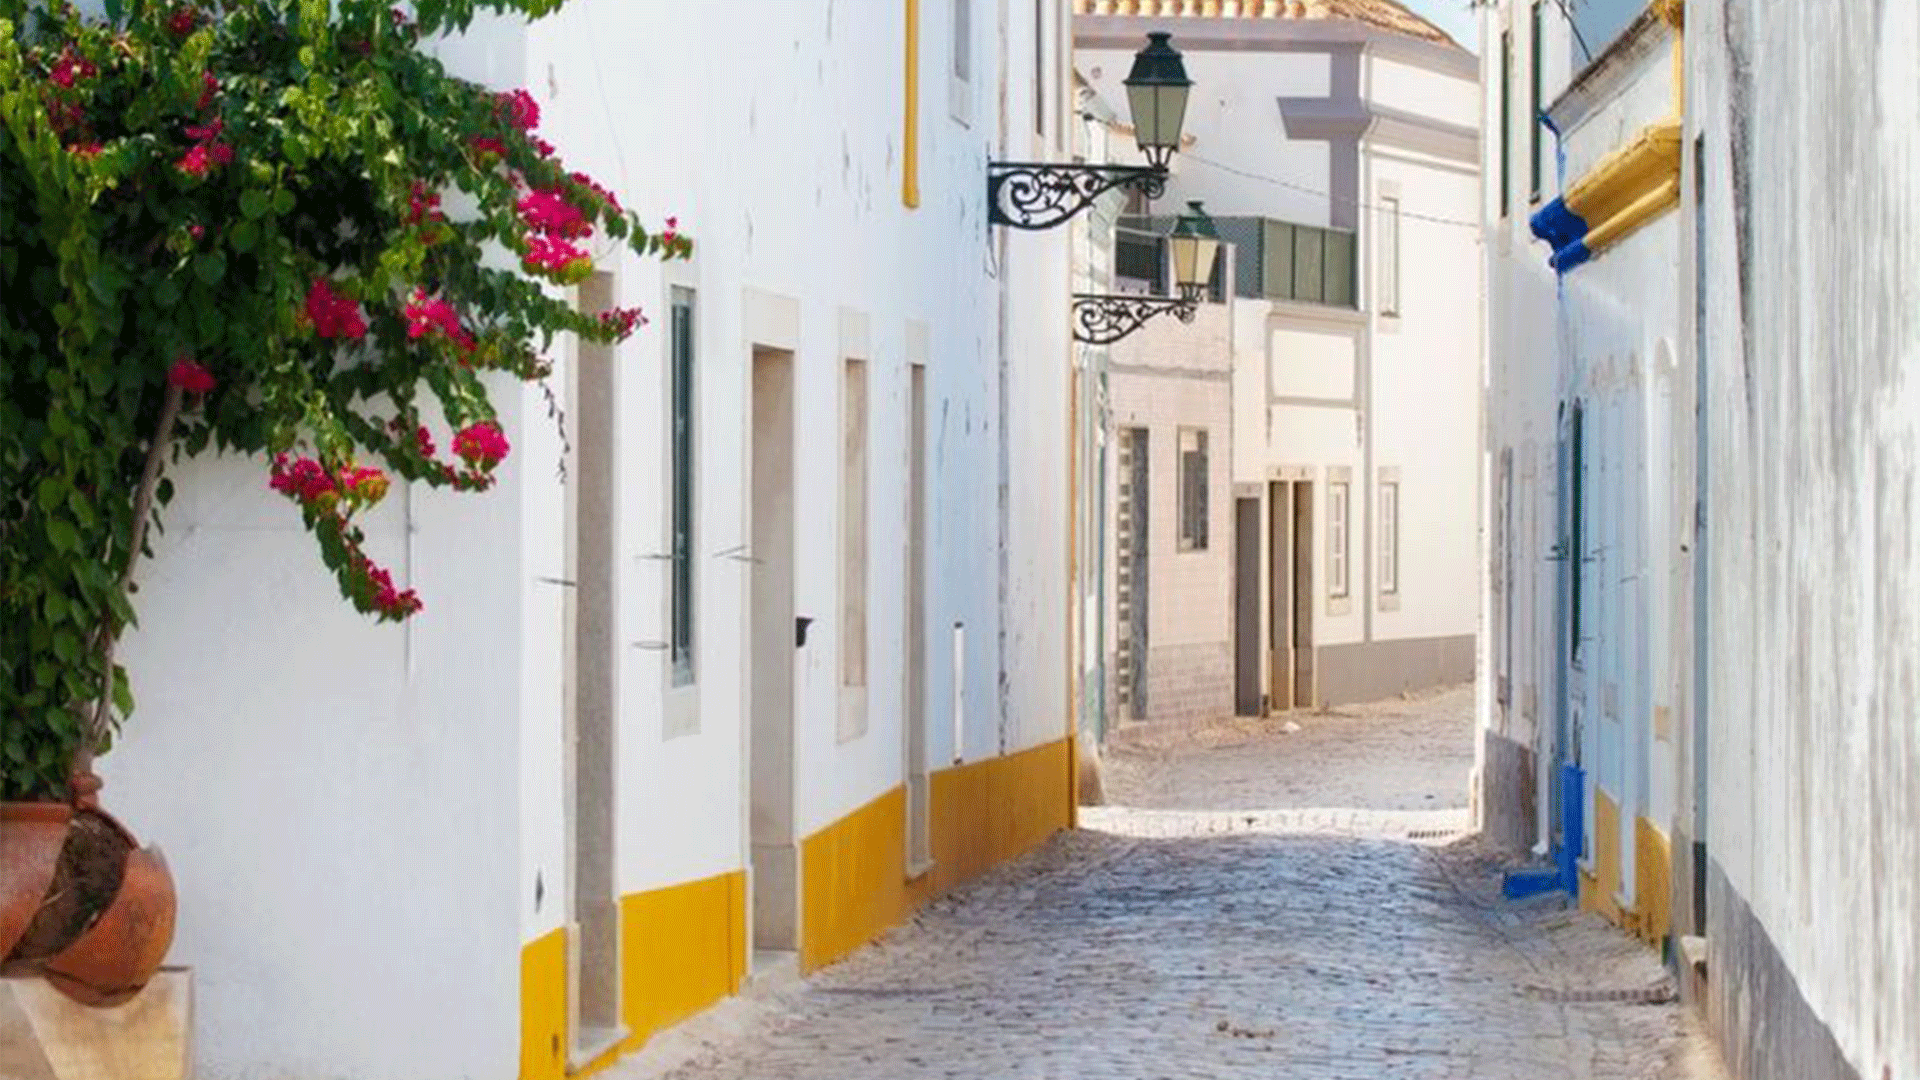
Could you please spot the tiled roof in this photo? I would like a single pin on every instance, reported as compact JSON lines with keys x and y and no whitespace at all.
{"x":1384,"y":14}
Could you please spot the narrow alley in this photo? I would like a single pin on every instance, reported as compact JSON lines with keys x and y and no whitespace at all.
{"x":1253,"y":902}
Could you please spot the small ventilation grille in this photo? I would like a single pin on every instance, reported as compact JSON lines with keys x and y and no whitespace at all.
{"x":1660,"y":993}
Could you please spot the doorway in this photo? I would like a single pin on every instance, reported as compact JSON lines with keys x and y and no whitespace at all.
{"x":1130,"y":595}
{"x":919,"y":800}
{"x":1246,"y":607}
{"x":773,"y":868}
{"x":587,"y":635}
{"x":1301,"y":547}
{"x":1290,"y":670}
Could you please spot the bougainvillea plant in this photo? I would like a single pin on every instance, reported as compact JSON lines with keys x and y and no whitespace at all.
{"x":222,"y":230}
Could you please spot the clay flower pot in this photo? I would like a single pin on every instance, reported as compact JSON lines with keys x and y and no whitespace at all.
{"x":81,"y":903}
{"x":31,"y":835}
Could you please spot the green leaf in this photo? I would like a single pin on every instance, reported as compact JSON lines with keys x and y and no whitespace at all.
{"x":254,"y":203}
{"x":122,"y":693}
{"x":282,"y":201}
{"x":52,"y":493}
{"x":210,"y":267}
{"x":63,"y":536}
{"x":244,"y":236}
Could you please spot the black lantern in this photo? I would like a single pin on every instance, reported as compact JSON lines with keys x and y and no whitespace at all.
{"x":1192,"y":247}
{"x":1031,"y":195}
{"x":1157,"y":91}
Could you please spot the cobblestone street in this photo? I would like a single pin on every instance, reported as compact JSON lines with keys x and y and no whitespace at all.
{"x":1247,"y":905}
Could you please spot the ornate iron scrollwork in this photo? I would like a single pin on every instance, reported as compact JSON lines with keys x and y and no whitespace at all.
{"x":1102,"y":319}
{"x":1029,"y":195}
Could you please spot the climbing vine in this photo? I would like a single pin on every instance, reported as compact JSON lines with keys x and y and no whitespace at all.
{"x":272,"y":227}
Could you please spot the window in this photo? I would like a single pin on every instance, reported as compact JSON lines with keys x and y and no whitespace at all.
{"x":1300,"y":262}
{"x":1337,"y":539}
{"x":1506,"y":120}
{"x":680,"y":394}
{"x":1389,"y":255}
{"x":1536,"y":69}
{"x":1390,"y":537}
{"x":853,"y":528}
{"x":1193,"y":489}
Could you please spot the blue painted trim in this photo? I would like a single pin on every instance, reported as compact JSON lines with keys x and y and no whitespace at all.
{"x":1557,"y":225}
{"x":1564,"y":874}
{"x":1572,"y":255}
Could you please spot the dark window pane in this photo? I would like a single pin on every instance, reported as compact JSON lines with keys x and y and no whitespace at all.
{"x":1308,"y":260}
{"x":1339,"y":269}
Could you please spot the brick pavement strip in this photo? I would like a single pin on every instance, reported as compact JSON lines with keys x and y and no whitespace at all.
{"x":1296,"y":943}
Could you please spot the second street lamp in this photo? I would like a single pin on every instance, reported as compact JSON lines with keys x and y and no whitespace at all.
{"x":1192,"y":247}
{"x":1037,"y":195}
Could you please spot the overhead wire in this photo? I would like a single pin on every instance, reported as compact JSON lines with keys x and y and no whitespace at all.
{"x":1306,"y":190}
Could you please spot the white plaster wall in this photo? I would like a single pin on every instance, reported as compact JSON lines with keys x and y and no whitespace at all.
{"x":1424,"y":419}
{"x":1233,"y":119}
{"x":381,"y":831}
{"x":1813,"y":411}
{"x":1419,"y":89}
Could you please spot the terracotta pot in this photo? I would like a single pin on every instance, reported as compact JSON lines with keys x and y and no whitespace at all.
{"x":31,"y":835}
{"x":113,"y":959}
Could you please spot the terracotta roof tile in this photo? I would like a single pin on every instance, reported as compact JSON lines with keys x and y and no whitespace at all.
{"x":1384,"y":14}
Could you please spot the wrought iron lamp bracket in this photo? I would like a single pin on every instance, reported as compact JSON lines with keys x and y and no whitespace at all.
{"x":1102,"y":319}
{"x":1034,"y":195}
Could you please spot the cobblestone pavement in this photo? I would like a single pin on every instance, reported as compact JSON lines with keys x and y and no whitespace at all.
{"x":1284,"y":941}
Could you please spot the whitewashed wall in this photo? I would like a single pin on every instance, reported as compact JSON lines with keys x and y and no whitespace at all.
{"x":377,"y":814}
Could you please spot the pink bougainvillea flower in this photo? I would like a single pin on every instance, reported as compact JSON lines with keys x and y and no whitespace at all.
{"x":207,"y":132}
{"x":542,"y":147}
{"x":303,"y":480}
{"x":86,"y":149}
{"x":197,"y":231}
{"x":182,"y":21}
{"x":548,"y":211}
{"x":486,"y":144}
{"x":191,"y":377}
{"x":195,"y":162}
{"x":482,"y":444}
{"x":552,"y":255}
{"x":587,"y":182}
{"x":365,"y":483}
{"x":673,"y":231}
{"x":623,"y":320}
{"x":209,"y":86}
{"x":519,"y":109}
{"x":70,"y":68}
{"x":423,"y":207}
{"x":334,"y":315}
{"x":429,"y":313}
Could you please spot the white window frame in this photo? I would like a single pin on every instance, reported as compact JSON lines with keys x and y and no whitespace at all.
{"x":961,"y":61}
{"x":1194,"y":526}
{"x":1339,"y":533}
{"x":1389,"y":253}
{"x":1389,"y":525}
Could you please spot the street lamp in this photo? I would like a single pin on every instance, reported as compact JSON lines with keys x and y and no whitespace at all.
{"x":1104,"y":318}
{"x":1033,"y":195}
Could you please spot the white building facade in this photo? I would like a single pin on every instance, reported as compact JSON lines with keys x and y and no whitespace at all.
{"x":1700,"y":658}
{"x":1334,"y":382}
{"x":786,"y":652}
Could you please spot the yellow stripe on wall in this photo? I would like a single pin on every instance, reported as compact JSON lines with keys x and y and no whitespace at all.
{"x":1599,"y":889}
{"x":910,"y":136}
{"x":683,"y":948}
{"x":853,"y":872}
{"x":543,"y":1007}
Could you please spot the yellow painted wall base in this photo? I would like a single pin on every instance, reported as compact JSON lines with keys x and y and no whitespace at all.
{"x":1649,"y":916}
{"x":543,"y":1007}
{"x":682,"y":949}
{"x":1652,"y":881}
{"x":853,"y":872}
{"x":685,"y":947}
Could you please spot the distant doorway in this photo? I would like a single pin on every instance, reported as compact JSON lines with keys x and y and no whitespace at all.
{"x":774,"y":865}
{"x":1290,"y":670}
{"x":1130,"y":599}
{"x":1246,"y":607}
